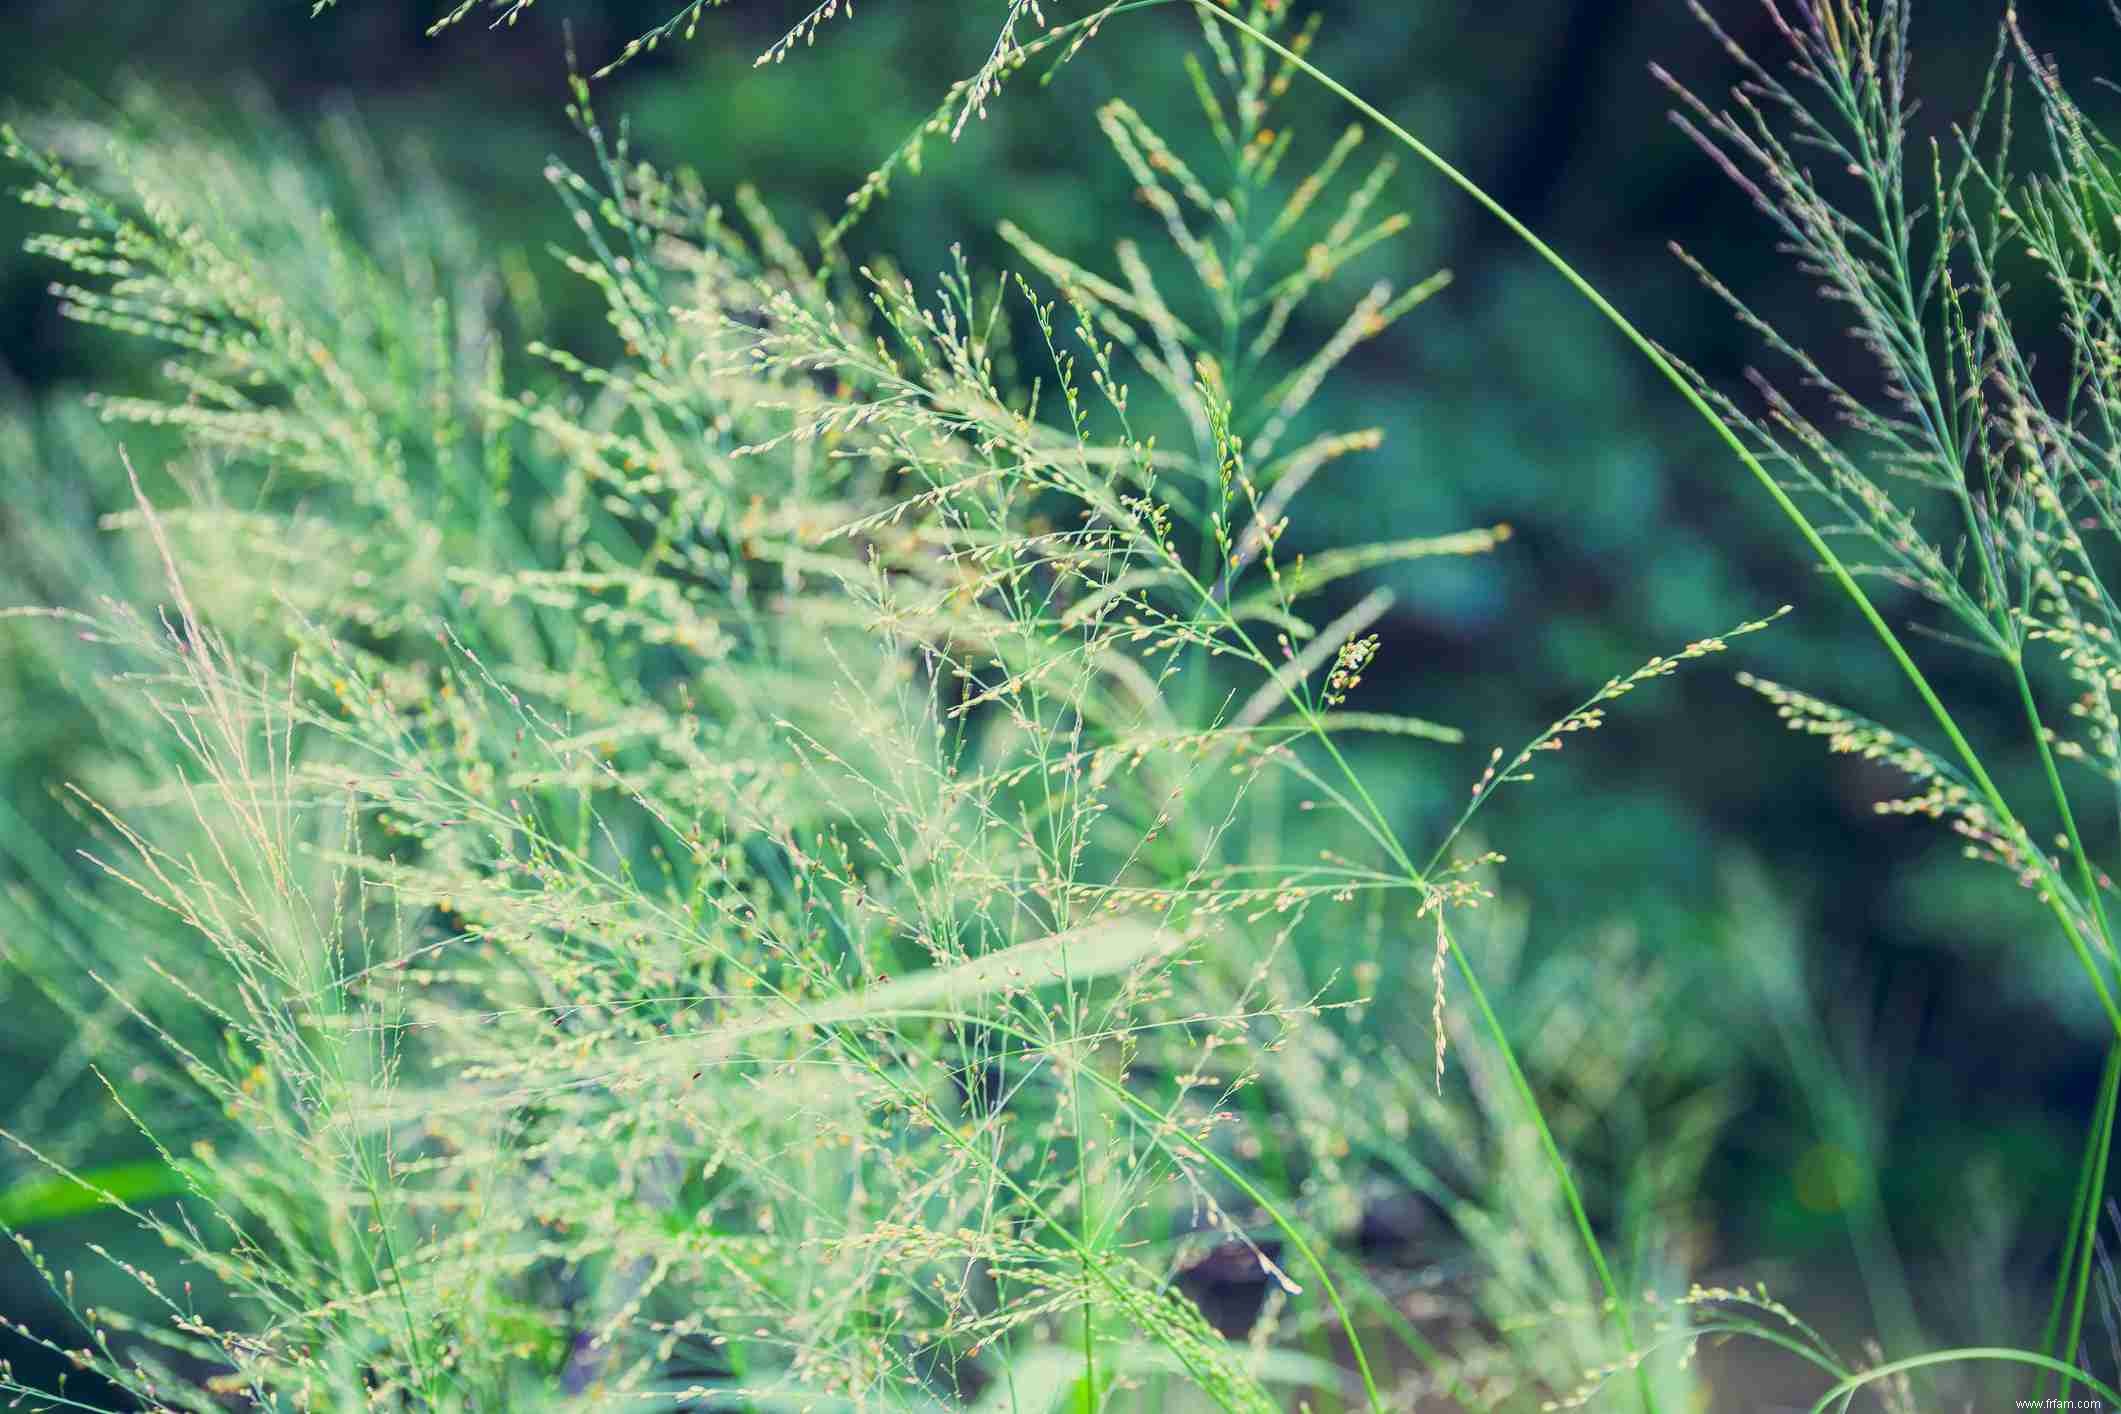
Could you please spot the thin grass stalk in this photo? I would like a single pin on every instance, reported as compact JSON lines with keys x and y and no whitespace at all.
{"x":2094,"y":1191}
{"x":1288,"y":1229}
{"x":1962,"y":1355}
{"x":2081,"y":1212}
{"x":2087,"y":876}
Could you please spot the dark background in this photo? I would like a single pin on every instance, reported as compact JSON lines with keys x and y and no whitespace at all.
{"x":1505,"y":399}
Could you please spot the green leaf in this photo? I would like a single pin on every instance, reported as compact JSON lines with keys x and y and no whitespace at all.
{"x":57,"y":1198}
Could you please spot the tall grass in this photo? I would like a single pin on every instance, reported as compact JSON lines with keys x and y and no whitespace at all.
{"x":783,"y":866}
{"x":766,"y":870}
{"x":1999,"y":513}
{"x":2016,"y":464}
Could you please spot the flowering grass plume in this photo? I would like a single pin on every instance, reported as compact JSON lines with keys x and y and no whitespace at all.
{"x":758,"y":870}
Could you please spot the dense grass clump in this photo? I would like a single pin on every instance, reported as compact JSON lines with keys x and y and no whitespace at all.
{"x":760,"y":870}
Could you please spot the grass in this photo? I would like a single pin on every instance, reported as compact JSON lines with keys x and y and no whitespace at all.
{"x":785,"y":864}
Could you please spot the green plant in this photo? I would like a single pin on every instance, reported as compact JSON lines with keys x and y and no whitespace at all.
{"x":1960,"y":414}
{"x":756,"y":870}
{"x":2000,"y":498}
{"x":764,"y":866}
